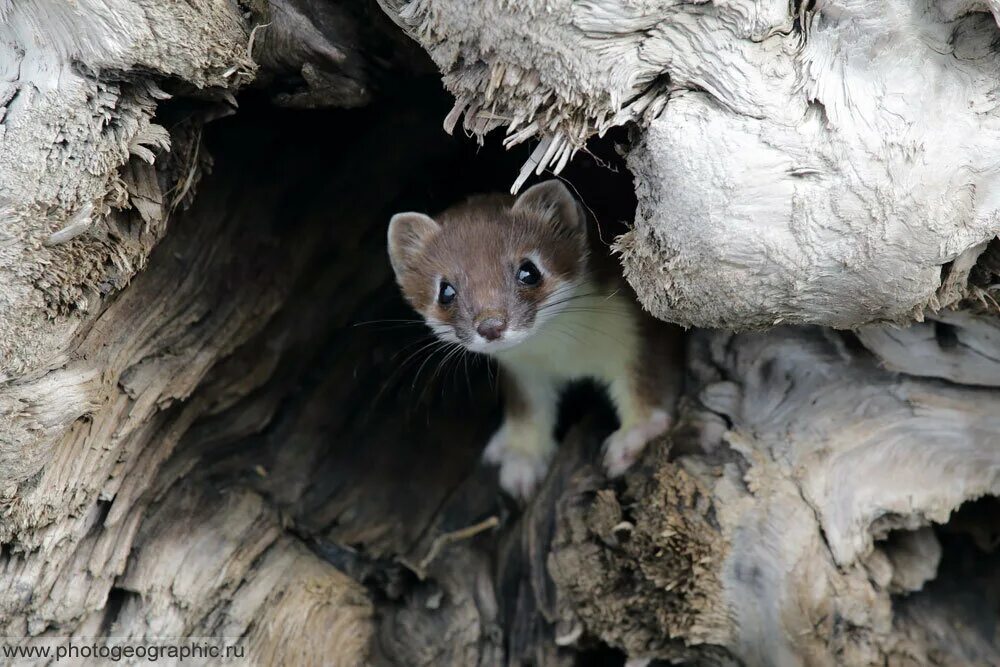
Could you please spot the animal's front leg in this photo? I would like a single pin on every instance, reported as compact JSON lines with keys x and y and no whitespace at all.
{"x":524,"y":444}
{"x":645,"y":393}
{"x":642,"y":419}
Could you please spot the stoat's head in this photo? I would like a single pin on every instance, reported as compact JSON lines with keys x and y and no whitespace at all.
{"x":487,"y":273}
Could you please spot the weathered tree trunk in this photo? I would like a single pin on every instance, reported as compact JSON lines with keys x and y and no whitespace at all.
{"x":214,"y":424}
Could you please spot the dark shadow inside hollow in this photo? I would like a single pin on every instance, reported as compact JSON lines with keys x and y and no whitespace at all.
{"x":339,"y":409}
{"x":959,"y":605}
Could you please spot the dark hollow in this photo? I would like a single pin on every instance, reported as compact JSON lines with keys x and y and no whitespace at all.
{"x":353,"y":426}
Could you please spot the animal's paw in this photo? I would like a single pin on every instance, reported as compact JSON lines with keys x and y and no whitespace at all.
{"x":523,"y":455}
{"x":498,"y":445}
{"x":520,"y":474}
{"x":624,"y":446}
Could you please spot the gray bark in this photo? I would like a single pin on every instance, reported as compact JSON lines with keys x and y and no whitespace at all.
{"x":100,"y":359}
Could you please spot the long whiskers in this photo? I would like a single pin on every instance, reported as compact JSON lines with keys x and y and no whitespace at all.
{"x":597,"y":309}
{"x":599,"y":331}
{"x":389,"y":325}
{"x":428,"y":339}
{"x":576,"y":297}
{"x":396,"y":373}
{"x":396,"y":320}
{"x":443,"y":347}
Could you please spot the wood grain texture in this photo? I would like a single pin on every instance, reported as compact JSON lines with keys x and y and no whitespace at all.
{"x":215,"y":420}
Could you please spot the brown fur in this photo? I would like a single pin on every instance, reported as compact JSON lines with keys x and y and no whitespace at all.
{"x":657,"y":371}
{"x":478,"y":249}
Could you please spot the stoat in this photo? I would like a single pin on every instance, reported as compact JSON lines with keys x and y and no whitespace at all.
{"x":516,"y":279}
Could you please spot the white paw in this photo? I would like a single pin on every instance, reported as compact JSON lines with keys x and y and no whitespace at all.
{"x":523,"y":455}
{"x":624,"y":446}
{"x":520,"y":474}
{"x":497,"y":447}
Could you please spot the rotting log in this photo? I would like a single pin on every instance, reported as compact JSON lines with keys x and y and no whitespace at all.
{"x":207,"y":428}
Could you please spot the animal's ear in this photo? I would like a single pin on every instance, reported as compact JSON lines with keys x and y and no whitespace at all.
{"x":552,"y":201}
{"x":408,"y":233}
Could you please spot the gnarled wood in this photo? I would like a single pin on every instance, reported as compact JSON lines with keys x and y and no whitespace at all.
{"x":209,"y":426}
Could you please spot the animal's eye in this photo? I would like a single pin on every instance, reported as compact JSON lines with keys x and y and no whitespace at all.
{"x":446,"y":293}
{"x":528,"y":274}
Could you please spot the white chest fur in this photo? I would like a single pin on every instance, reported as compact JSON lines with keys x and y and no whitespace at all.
{"x":591,"y":337}
{"x":595,"y":336}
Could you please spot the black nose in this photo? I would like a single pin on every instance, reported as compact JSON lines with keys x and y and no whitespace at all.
{"x":491,"y":328}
